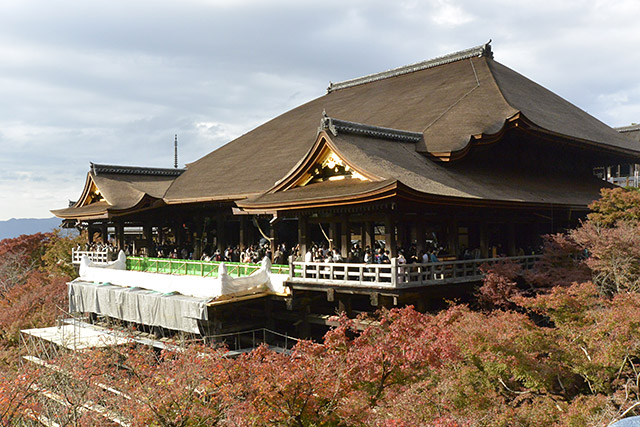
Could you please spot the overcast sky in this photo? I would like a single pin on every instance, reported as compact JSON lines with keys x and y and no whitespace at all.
{"x":112,"y":81}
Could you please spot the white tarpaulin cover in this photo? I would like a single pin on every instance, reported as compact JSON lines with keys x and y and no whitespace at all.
{"x":202,"y":287}
{"x":171,"y":311}
{"x":170,"y":301}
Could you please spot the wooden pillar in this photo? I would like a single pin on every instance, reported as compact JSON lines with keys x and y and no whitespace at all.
{"x":333,"y":235}
{"x":119,"y":228}
{"x":251,"y":231}
{"x":197,"y":244}
{"x":390,"y":235}
{"x":105,"y":232}
{"x":220,"y":235}
{"x":345,"y":236}
{"x":161,"y":235}
{"x":484,"y":243}
{"x":419,"y":236}
{"x":178,"y":232}
{"x":403,"y":241}
{"x":369,"y":234}
{"x":511,"y":239}
{"x":272,"y":239}
{"x":148,"y":237}
{"x":242,"y":238}
{"x":90,"y":232}
{"x":303,"y":234}
{"x":452,"y":237}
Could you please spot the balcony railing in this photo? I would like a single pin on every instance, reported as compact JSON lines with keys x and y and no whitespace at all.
{"x":390,"y":276}
{"x":98,"y":257}
{"x":395,"y":276}
{"x":197,"y":268}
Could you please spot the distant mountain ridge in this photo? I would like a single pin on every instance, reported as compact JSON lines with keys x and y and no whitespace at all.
{"x":15,"y":227}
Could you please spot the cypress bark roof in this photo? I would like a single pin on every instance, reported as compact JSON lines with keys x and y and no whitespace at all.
{"x":398,"y":164}
{"x":111,"y":190}
{"x":453,"y":103}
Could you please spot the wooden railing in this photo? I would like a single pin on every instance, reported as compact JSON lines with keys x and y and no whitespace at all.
{"x":196,"y":268}
{"x":98,"y":257}
{"x":394,"y":275}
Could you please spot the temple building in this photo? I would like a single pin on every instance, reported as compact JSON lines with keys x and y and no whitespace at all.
{"x":459,"y":155}
{"x":628,"y":174}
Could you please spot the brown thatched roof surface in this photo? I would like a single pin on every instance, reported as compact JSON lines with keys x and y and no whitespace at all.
{"x":448,"y":104}
{"x":123,"y":189}
{"x":353,"y":190}
{"x":632,"y":132}
{"x":398,"y":162}
{"x":468,"y":180}
{"x":94,"y":210}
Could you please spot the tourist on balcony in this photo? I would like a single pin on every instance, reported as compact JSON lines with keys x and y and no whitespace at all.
{"x":401,"y":269}
{"x":368,"y":257}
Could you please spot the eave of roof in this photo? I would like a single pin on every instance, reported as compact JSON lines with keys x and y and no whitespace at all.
{"x":124,"y":189}
{"x":99,"y":169}
{"x":328,"y":193}
{"x":456,"y":103}
{"x":403,"y":173}
{"x":98,"y":210}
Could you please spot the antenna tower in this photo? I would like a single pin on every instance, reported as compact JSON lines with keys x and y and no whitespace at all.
{"x":175,"y":152}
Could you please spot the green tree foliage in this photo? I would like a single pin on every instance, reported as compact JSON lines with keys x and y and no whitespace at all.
{"x":616,"y":205}
{"x":57,"y":255}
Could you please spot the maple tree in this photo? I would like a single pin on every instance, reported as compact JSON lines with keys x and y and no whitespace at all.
{"x":616,"y":205}
{"x":558,"y":345}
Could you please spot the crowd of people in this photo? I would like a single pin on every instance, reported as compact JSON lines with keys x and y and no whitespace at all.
{"x":317,"y":252}
{"x":251,"y":254}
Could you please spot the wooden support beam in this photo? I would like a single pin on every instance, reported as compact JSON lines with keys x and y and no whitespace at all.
{"x":105,"y":232}
{"x":511,"y":239}
{"x":273,"y":236}
{"x":90,"y":231}
{"x":452,"y":236}
{"x":333,"y":235}
{"x":369,"y":234}
{"x":220,"y":233}
{"x":403,"y":232}
{"x":345,"y":236}
{"x":119,"y":227}
{"x":419,"y":235}
{"x":484,"y":239}
{"x":390,"y":235}
{"x":373,"y":299}
{"x":303,"y":234}
{"x":242,"y":238}
{"x":330,"y":295}
{"x":148,"y":237}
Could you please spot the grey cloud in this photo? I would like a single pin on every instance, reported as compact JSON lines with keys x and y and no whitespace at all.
{"x":113,"y":81}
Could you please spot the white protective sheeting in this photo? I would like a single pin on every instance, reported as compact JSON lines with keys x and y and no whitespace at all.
{"x":201,"y":287}
{"x":171,"y":311}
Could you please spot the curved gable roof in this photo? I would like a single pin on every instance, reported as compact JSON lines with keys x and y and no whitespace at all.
{"x":452,"y":103}
{"x":122,"y":188}
{"x":397,"y":163}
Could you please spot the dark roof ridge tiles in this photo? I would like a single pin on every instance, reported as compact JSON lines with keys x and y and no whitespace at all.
{"x":477,"y":51}
{"x":134,"y":170}
{"x":629,"y":128}
{"x":336,"y":126}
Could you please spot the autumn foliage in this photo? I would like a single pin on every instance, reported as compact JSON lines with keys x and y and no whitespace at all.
{"x":558,"y":345}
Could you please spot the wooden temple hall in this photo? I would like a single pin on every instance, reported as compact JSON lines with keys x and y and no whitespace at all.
{"x":458,"y":155}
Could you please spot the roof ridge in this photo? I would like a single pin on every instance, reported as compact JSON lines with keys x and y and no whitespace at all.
{"x":336,"y":125}
{"x":628,"y":128}
{"x":477,"y":51}
{"x":135,"y":170}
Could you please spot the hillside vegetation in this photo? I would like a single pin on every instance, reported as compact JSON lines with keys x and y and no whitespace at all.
{"x":555,"y":346}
